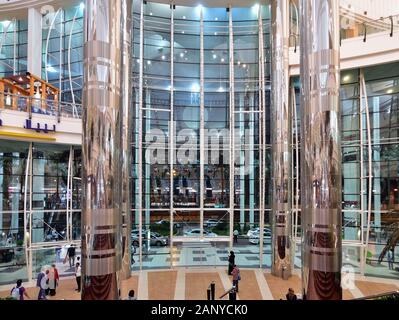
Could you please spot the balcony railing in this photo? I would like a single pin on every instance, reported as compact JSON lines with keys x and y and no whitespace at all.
{"x":352,"y":26}
{"x":33,"y":105}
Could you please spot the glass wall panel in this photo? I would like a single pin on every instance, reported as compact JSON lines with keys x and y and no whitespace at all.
{"x":13,"y":47}
{"x":62,"y":51}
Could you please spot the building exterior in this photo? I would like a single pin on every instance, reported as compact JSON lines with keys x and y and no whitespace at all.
{"x":201,"y":136}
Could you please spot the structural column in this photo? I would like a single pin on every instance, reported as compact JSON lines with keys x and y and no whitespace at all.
{"x":34,"y":39}
{"x":127,"y":119}
{"x":320,"y":150}
{"x":281,"y":137}
{"x":102,"y":130}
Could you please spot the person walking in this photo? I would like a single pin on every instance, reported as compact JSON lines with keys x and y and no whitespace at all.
{"x":231,"y":260}
{"x":53,"y":280}
{"x":235,"y":235}
{"x":236,"y":277}
{"x":78,"y":275}
{"x":390,"y":259}
{"x":71,"y":255}
{"x":42,"y":282}
{"x":18,"y":292}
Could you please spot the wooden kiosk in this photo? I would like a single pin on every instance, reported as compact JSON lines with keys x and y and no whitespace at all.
{"x":31,"y":87}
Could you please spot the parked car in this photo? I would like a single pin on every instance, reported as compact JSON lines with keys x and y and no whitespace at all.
{"x":267,"y":235}
{"x":197,"y":232}
{"x":155,"y":239}
{"x":166,"y":222}
{"x":255,"y":231}
{"x":211,"y":223}
{"x":162,"y":222}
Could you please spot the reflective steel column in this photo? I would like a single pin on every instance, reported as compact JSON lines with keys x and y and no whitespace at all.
{"x":281,"y":136}
{"x":101,"y":147}
{"x":127,"y":120}
{"x":320,"y":150}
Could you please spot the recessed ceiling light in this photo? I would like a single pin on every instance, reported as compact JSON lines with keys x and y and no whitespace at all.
{"x":214,"y":56}
{"x":163,"y":57}
{"x":389,"y":91}
{"x":346,"y":78}
{"x":150,"y":13}
{"x":184,"y":17}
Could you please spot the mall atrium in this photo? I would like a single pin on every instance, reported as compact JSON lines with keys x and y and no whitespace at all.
{"x":157,"y":136}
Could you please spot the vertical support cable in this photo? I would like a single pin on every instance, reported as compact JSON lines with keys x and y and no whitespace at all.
{"x":69,"y":194}
{"x":30,"y":263}
{"x":296,"y":168}
{"x":71,"y":198}
{"x":202,"y":123}
{"x":370,"y":154}
{"x":263,"y":146}
{"x":27,"y":235}
{"x":231,"y":125}
{"x":362,"y":260}
{"x":47,"y":45}
{"x":69,"y":64}
{"x":171,"y":128}
{"x":14,"y":21}
{"x":61,"y":54}
{"x":140,"y":129}
{"x":261,"y":137}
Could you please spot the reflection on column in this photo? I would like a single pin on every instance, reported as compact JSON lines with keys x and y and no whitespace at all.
{"x":281,"y":150}
{"x":101,"y":205}
{"x":127,"y":118}
{"x":321,"y":150}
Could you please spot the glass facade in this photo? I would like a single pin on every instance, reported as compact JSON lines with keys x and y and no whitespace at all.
{"x":184,"y":154}
{"x":39,"y":206}
{"x":362,"y":133}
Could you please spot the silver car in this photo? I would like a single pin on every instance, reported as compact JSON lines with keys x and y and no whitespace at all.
{"x":155,"y":239}
{"x":267,"y":235}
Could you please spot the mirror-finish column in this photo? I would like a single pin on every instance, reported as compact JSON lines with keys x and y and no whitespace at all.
{"x":281,"y":137}
{"x":320,"y":150}
{"x":101,"y":206}
{"x":127,"y":120}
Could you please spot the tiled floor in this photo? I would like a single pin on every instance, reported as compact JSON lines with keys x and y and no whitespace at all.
{"x":193,"y":283}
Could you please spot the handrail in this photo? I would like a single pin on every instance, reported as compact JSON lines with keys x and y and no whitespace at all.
{"x":227,"y":292}
{"x":380,"y":295}
{"x":383,"y":24}
{"x":32,"y":104}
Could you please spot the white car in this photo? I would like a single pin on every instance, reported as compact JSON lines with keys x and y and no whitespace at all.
{"x":211,"y":223}
{"x":255,"y":232}
{"x":197,"y":232}
{"x":267,"y":235}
